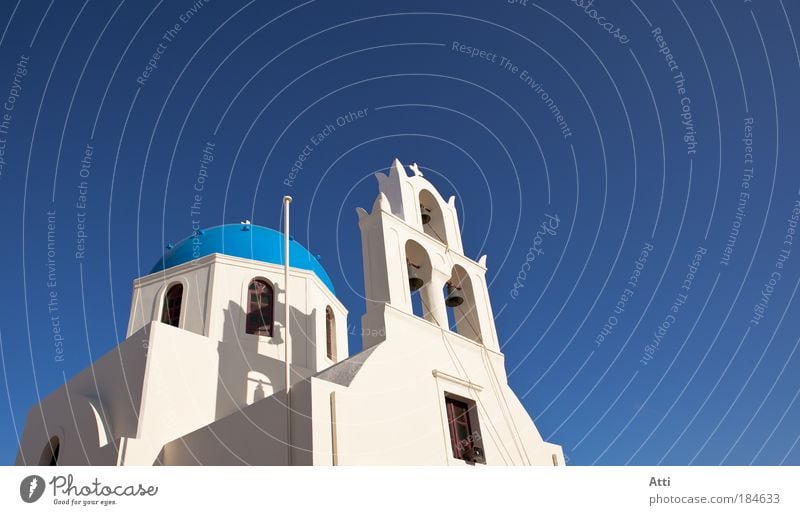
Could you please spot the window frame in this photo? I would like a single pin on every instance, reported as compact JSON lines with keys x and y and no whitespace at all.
{"x":469,"y":421}
{"x":330,"y":333}
{"x":165,"y":308}
{"x":247,"y":308}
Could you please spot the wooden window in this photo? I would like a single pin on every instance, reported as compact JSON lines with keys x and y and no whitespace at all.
{"x":171,"y":313}
{"x":465,"y":438}
{"x":260,"y":308}
{"x":330,"y":333}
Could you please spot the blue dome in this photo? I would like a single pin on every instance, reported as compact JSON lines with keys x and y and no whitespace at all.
{"x":245,"y":241}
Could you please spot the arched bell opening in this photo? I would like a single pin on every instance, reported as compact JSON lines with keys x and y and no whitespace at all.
{"x":460,"y":301}
{"x":431,"y":216}
{"x":454,"y":297}
{"x":418,"y":275}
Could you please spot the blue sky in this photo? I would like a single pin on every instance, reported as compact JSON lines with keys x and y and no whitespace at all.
{"x":661,"y":134}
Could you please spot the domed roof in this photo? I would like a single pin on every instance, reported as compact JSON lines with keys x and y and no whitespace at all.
{"x":245,"y":241}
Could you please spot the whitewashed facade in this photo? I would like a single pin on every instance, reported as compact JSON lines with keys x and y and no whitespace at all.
{"x":198,"y":388}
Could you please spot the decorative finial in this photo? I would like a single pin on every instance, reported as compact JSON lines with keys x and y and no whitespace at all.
{"x":397,"y":170}
{"x":415,"y":168}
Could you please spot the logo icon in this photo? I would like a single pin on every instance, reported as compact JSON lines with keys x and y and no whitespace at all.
{"x":31,"y":488}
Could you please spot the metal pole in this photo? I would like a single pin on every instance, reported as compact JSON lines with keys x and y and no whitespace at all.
{"x":287,"y":338}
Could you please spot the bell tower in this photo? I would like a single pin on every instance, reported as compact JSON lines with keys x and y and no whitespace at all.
{"x":411,"y":244}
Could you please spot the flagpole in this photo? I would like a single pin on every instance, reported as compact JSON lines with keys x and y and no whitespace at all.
{"x":287,"y":338}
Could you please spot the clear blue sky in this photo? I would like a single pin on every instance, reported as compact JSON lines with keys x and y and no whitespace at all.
{"x":636,"y":124}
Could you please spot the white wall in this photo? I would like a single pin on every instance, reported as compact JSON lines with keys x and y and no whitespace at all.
{"x":187,"y":395}
{"x":393,"y":412}
{"x":148,"y":296}
{"x":215,"y":300}
{"x":112,"y":387}
{"x":163,"y":382}
{"x":180,"y":390}
{"x":394,"y":221}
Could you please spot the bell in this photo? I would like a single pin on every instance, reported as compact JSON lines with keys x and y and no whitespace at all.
{"x":426,"y":215}
{"x":454,"y":296}
{"x":415,"y":282}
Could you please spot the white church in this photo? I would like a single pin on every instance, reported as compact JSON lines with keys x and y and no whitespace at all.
{"x":201,"y":377}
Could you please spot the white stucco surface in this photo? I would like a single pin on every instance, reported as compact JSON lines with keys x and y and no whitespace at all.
{"x":207,"y":393}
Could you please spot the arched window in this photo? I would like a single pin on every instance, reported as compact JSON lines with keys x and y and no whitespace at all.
{"x":171,"y":312}
{"x":260,"y":308}
{"x":50,"y":453}
{"x":461,"y":300}
{"x":418,"y":265}
{"x":330,"y":333}
{"x":432,"y":217}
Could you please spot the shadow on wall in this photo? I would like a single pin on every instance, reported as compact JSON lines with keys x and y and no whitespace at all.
{"x":246,"y":373}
